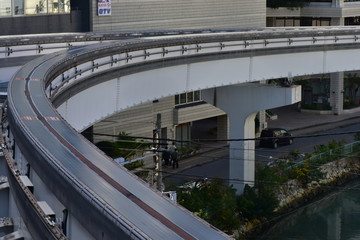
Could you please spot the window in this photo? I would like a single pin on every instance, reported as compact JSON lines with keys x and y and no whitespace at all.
{"x":5,"y":8}
{"x":33,"y":7}
{"x":18,"y":7}
{"x":352,"y":21}
{"x":287,"y":22}
{"x":188,"y":97}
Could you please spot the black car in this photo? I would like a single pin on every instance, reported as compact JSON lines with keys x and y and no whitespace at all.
{"x":274,"y":137}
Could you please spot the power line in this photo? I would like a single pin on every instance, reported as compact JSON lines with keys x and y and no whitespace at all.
{"x":234,"y":180}
{"x":224,"y":140}
{"x":197,"y":141}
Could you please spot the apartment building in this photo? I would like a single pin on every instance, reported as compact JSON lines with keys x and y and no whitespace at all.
{"x":316,"y":13}
{"x":333,"y":92}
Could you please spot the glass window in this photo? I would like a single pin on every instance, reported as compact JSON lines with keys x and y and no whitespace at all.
{"x":18,"y":7}
{"x":280,"y":22}
{"x":289,"y":22}
{"x":64,"y":6}
{"x":325,"y":22}
{"x":35,"y":6}
{"x":190,"y":97}
{"x":5,"y":7}
{"x":297,"y":22}
{"x":197,"y":96}
{"x":183,"y":98}
{"x":53,"y":6}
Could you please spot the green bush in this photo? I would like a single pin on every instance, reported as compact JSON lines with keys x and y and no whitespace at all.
{"x":109,"y":148}
{"x":306,"y":173}
{"x":133,"y":165}
{"x":257,"y":203}
{"x":316,"y":106}
{"x":125,"y":146}
{"x":214,"y":202}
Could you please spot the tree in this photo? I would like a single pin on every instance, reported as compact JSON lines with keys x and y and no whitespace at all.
{"x":214,"y":202}
{"x":125,"y":146}
{"x":108,"y":148}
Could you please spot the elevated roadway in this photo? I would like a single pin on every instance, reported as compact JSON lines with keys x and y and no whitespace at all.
{"x":106,"y":200}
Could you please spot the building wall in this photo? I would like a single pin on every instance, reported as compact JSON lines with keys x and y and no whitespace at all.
{"x":68,"y":22}
{"x":140,"y":120}
{"x":335,"y":13}
{"x":174,"y":14}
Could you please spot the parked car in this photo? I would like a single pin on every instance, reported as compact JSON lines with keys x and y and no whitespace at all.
{"x":274,"y":137}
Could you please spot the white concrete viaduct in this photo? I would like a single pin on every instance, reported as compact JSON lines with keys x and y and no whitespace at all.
{"x":229,"y":64}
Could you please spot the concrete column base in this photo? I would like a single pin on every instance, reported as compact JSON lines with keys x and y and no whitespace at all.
{"x":241,"y":103}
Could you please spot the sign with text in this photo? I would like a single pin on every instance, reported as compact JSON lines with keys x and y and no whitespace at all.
{"x":104,"y":7}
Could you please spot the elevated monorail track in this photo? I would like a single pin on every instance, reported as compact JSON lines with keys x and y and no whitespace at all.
{"x":103,"y":196}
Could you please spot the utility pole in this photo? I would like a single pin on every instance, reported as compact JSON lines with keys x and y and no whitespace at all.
{"x":158,"y":165}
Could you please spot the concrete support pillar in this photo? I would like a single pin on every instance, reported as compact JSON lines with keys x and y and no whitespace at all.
{"x":241,"y":103}
{"x":337,"y":92}
{"x":262,"y":120}
{"x":242,"y":153}
{"x":337,"y":3}
{"x":337,"y":21}
{"x":222,"y":127}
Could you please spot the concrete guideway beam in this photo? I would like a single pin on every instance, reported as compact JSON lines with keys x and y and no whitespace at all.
{"x":241,"y":103}
{"x":6,"y":223}
{"x":4,"y":184}
{"x":14,"y":236}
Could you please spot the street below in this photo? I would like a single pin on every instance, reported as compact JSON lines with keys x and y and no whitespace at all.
{"x":219,"y":166}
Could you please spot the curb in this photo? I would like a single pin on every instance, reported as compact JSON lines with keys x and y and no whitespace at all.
{"x":324,"y":126}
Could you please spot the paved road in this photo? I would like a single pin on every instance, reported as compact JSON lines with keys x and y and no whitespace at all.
{"x":215,"y":163}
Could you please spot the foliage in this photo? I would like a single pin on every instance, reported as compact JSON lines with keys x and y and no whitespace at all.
{"x":109,"y":149}
{"x":133,"y":165}
{"x":214,"y":202}
{"x":188,"y":150}
{"x":294,"y":154}
{"x":349,"y":103}
{"x":125,"y":146}
{"x":257,"y":203}
{"x":291,"y":4}
{"x":306,"y":173}
{"x":329,"y":152}
{"x":352,"y":85}
{"x":260,"y":201}
{"x":357,"y":136}
{"x":143,"y":174}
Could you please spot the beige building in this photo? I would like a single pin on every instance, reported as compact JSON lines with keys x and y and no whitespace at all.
{"x":174,"y":14}
{"x":178,"y":113}
{"x":316,"y":13}
{"x":177,"y":119}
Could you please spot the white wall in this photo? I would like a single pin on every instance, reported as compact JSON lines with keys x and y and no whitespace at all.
{"x":175,"y":14}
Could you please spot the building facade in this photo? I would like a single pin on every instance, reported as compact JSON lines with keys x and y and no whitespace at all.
{"x":336,"y":90}
{"x":39,"y":16}
{"x":173,"y":14}
{"x":316,"y":13}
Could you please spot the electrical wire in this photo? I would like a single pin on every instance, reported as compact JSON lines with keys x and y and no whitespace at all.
{"x":234,"y":180}
{"x":224,"y":140}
